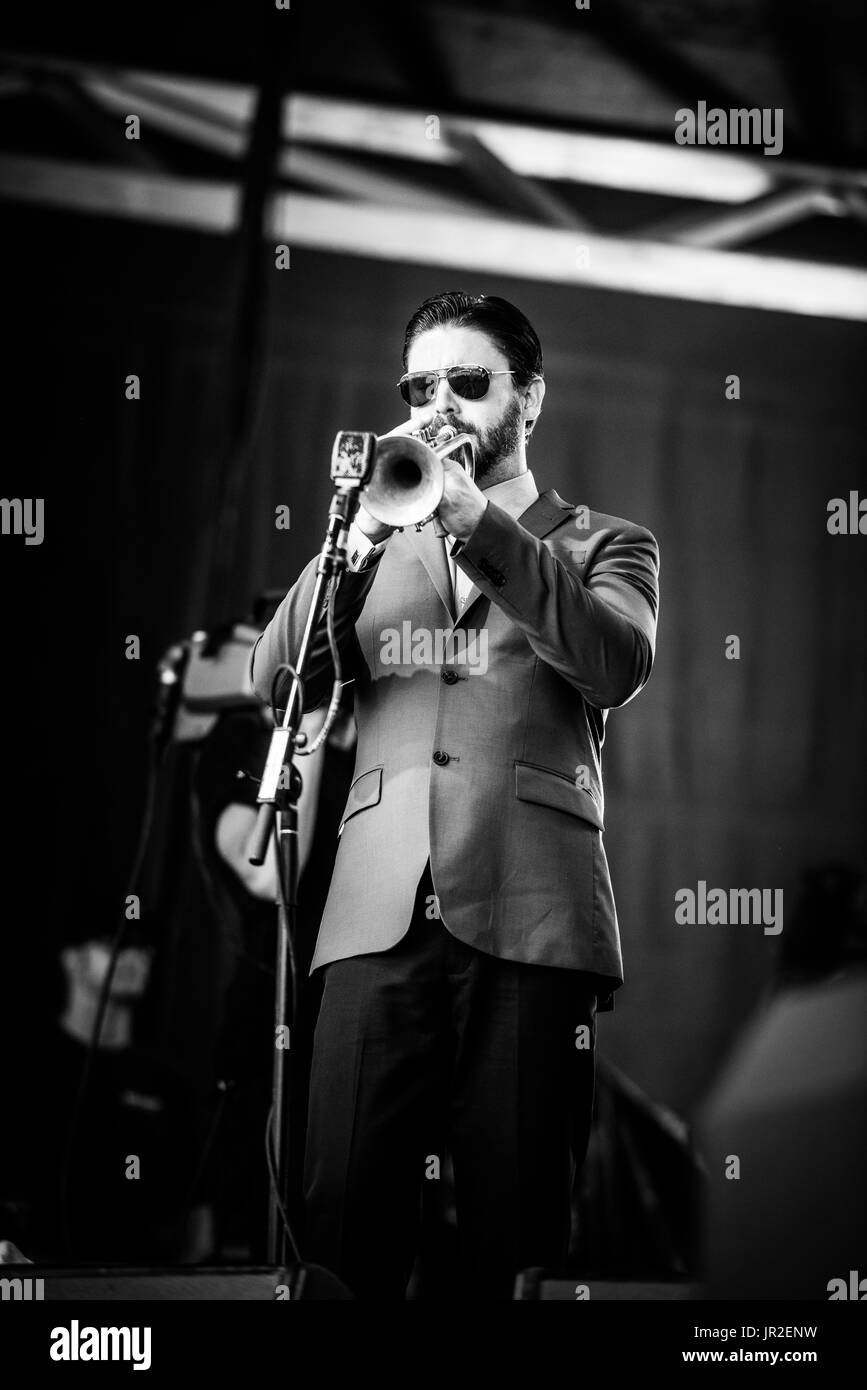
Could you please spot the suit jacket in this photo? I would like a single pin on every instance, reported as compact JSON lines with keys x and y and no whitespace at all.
{"x":494,"y":773}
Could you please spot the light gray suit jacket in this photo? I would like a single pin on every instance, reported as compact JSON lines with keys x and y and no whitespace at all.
{"x":495,"y":775}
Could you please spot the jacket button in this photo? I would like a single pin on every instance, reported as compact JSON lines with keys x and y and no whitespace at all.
{"x":440,"y":758}
{"x":450,"y":677}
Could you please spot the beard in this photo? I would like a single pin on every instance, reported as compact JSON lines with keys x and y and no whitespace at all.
{"x":493,"y":444}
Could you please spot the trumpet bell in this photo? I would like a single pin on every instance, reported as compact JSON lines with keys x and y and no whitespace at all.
{"x":408,"y":476}
{"x":407,"y":482}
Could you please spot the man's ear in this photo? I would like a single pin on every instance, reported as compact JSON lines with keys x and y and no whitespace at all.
{"x":534,"y":394}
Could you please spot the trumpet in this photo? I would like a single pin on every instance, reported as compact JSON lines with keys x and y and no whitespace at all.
{"x":406,"y":487}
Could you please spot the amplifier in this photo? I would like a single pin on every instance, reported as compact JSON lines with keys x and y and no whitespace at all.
{"x":554,"y":1285}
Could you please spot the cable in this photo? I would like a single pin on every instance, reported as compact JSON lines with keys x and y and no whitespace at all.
{"x":337,"y":687}
{"x":283,"y":669}
{"x":285,"y":666}
{"x":105,"y":991}
{"x":272,"y":1177}
{"x":207,"y":1146}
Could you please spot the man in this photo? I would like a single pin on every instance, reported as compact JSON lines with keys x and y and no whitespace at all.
{"x":470,"y":927}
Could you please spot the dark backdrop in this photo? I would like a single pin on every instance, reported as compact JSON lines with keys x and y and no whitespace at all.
{"x":736,"y":772}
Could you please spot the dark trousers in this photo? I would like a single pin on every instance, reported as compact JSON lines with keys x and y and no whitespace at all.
{"x":434,"y":1044}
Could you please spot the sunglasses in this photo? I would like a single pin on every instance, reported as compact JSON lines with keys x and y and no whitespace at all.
{"x":471,"y":383}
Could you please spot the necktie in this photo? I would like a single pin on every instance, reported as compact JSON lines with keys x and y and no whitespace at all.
{"x":458,"y":590}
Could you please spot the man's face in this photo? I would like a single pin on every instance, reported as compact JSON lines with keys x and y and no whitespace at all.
{"x":495,"y":421}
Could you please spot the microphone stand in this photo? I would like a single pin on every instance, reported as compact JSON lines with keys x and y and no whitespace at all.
{"x":351,"y":465}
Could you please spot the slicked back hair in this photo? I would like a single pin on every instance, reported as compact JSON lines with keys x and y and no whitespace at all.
{"x":505,"y":325}
{"x":500,"y":320}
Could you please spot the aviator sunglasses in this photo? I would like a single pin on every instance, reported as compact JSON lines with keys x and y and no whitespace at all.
{"x":471,"y":383}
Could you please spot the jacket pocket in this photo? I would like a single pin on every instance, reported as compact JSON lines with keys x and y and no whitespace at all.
{"x":365,"y":791}
{"x":546,"y":787}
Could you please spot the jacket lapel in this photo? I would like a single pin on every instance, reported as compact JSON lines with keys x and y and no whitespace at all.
{"x":430,"y":549}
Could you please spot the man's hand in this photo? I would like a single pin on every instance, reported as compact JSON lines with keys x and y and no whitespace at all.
{"x":461,"y":508}
{"x":373,"y":529}
{"x":463,"y":503}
